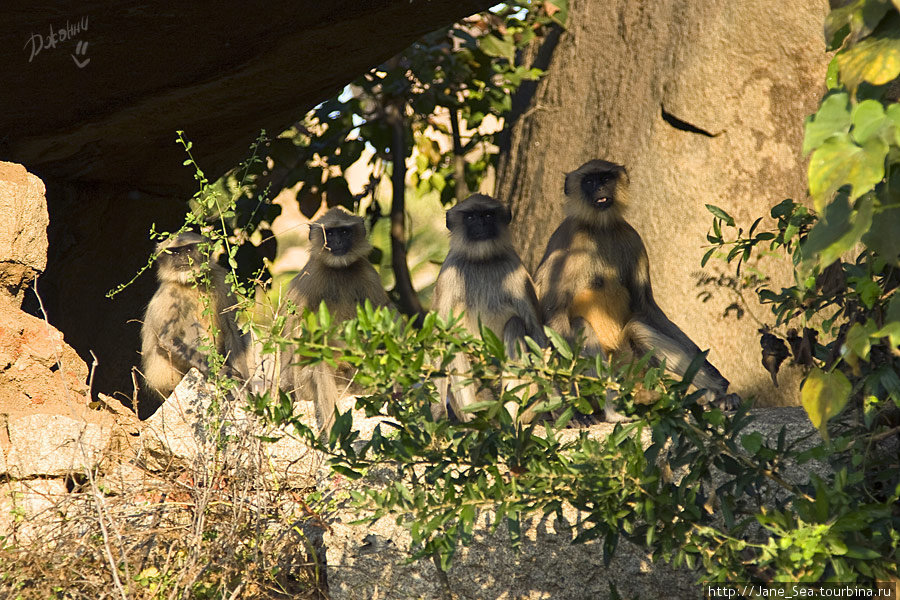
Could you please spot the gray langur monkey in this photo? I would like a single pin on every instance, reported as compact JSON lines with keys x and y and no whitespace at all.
{"x":484,"y":279}
{"x":339,"y":273}
{"x":595,"y":278}
{"x":191,"y":308}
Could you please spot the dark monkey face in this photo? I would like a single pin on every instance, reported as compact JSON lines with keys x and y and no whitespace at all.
{"x":339,"y":240}
{"x":181,"y":258}
{"x":481,"y":225}
{"x":479,"y":228}
{"x":598,"y":189}
{"x":595,"y":182}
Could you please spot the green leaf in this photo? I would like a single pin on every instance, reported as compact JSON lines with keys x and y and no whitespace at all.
{"x":559,"y":343}
{"x":891,"y":328}
{"x":782,"y":209}
{"x":893,"y":114}
{"x":875,"y":59}
{"x":752,"y":442}
{"x":839,"y":19}
{"x":823,"y":396}
{"x":494,"y":46}
{"x":868,"y":120}
{"x":831,"y":118}
{"x":863,"y":553}
{"x":859,"y":18}
{"x":857,"y":339}
{"x":883,"y":236}
{"x":839,"y":162}
{"x":437,"y":181}
{"x":893,"y":311}
{"x":421,"y":163}
{"x":561,"y":13}
{"x":721,"y":214}
{"x":832,"y":75}
{"x":837,"y":232}
{"x":324,"y":315}
{"x":868,"y":290}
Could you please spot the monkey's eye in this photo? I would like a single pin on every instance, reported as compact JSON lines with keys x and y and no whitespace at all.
{"x":469,"y":217}
{"x":488,"y":216}
{"x":595,"y":180}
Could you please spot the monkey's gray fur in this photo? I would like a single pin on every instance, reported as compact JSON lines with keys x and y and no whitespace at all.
{"x":339,"y":273}
{"x":186,"y":313}
{"x":595,"y":278}
{"x":484,"y":279}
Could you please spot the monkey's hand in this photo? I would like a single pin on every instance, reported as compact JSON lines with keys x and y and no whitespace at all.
{"x":182,"y":352}
{"x":230,"y":372}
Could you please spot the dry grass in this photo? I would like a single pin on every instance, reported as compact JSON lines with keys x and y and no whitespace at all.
{"x":223,"y":527}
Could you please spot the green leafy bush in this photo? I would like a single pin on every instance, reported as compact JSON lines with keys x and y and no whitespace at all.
{"x":840,"y":318}
{"x":728,"y":508}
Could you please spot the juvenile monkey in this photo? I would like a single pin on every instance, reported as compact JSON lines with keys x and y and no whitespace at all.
{"x":595,"y":278}
{"x":191,"y":308}
{"x":484,"y":278}
{"x":339,"y":273}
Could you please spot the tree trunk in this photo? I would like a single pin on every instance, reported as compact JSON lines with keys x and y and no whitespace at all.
{"x":704,"y":103}
{"x":459,"y":158}
{"x":408,"y":301}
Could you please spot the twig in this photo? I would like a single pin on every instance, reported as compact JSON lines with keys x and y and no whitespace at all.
{"x":135,"y":391}
{"x":885,"y":434}
{"x":94,"y":365}
{"x":101,"y":519}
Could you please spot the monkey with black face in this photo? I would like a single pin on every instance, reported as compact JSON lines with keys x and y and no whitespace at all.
{"x":339,"y":273}
{"x":191,"y":308}
{"x":595,"y":278}
{"x":484,"y":278}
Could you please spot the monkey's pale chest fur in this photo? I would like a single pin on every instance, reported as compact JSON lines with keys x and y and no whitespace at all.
{"x":484,"y":291}
{"x":179,"y":322}
{"x":179,"y":312}
{"x":342,"y":289}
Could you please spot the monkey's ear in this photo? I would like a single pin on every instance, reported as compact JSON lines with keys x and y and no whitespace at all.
{"x":567,"y":184}
{"x":448,"y":219}
{"x":507,"y":215}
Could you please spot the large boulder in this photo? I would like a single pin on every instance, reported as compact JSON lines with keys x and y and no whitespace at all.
{"x":56,"y":445}
{"x":704,"y":103}
{"x":23,"y":237}
{"x":39,"y":372}
{"x":49,"y":428}
{"x":97,"y":89}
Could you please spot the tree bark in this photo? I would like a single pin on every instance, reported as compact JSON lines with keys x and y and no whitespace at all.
{"x":459,"y":158}
{"x":408,"y":301}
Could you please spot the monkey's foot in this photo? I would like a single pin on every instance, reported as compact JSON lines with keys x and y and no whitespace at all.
{"x":611,"y":416}
{"x":728,"y":402}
